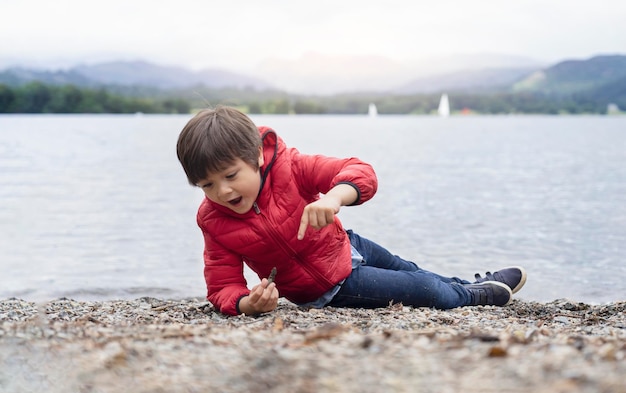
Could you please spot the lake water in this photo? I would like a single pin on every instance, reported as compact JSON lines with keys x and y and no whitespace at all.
{"x":97,"y":207}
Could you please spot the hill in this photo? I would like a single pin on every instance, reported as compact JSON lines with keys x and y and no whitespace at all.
{"x":322,"y":74}
{"x":17,"y":76}
{"x":137,"y":73}
{"x":312,"y":73}
{"x":484,"y":80}
{"x":575,"y":76}
{"x":571,"y":86}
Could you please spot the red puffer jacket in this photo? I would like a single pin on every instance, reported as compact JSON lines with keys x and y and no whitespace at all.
{"x":266,"y":236}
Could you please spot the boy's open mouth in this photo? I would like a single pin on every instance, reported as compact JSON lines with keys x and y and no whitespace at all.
{"x":235,"y":201}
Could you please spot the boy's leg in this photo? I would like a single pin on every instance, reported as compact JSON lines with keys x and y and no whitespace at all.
{"x":372,"y":287}
{"x":375,"y":255}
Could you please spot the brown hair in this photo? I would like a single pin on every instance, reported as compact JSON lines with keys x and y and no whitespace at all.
{"x":214,"y":139}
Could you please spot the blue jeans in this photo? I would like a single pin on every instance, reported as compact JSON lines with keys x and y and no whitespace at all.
{"x":384,"y":278}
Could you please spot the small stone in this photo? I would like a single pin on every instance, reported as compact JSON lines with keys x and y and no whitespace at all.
{"x":497,"y":351}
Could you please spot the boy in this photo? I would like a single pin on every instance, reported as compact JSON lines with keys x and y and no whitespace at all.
{"x":269,"y":206}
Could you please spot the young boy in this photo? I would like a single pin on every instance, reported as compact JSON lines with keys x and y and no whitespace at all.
{"x":269,"y":206}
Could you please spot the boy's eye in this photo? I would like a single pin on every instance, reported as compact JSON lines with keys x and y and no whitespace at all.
{"x":231,"y":176}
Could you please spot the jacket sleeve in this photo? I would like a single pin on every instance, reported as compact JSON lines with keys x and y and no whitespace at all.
{"x":319,"y":174}
{"x":223,"y":273}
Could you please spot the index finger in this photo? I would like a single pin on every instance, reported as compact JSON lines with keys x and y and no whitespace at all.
{"x":304,"y":222}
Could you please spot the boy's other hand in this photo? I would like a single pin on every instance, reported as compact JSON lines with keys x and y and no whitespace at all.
{"x":318,"y":214}
{"x":322,"y":212}
{"x":262,"y":298}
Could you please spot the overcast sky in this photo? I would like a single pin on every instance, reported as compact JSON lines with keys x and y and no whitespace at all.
{"x":240,"y":34}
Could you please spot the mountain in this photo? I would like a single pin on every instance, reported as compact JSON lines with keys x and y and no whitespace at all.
{"x":613,"y":92}
{"x":574,"y":76}
{"x":18,"y":76}
{"x":597,"y":78}
{"x":136,"y":73}
{"x":320,"y":74}
{"x":315,"y":73}
{"x":166,"y":77}
{"x":484,"y":80}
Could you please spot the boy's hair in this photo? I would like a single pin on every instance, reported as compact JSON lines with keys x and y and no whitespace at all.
{"x":214,"y":139}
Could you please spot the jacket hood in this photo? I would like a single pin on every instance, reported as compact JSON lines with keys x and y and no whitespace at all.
{"x":270,"y":143}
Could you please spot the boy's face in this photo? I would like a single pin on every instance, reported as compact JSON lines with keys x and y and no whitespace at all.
{"x":236,"y":187}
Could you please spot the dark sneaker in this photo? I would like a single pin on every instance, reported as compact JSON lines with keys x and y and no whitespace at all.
{"x":514,"y":277}
{"x":489,"y":293}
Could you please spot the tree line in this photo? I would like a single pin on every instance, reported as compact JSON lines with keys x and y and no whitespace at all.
{"x":36,"y":97}
{"x":424,"y":104}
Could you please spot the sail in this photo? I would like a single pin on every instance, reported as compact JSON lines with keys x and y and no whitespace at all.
{"x":372,"y":111}
{"x":444,"y":106}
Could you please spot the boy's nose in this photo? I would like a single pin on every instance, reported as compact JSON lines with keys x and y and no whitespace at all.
{"x":225,"y":190}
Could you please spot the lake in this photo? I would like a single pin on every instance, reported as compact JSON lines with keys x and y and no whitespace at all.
{"x":97,"y":207}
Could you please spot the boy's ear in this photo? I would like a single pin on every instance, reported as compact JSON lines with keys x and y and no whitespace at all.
{"x":261,"y":159}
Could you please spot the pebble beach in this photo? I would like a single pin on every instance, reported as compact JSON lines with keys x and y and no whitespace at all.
{"x":184,"y":345}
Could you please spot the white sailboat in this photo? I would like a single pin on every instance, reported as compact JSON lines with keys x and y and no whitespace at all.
{"x":372,"y":111}
{"x":444,"y":106}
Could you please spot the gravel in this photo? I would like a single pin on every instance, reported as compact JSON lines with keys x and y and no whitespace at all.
{"x":184,"y":345}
